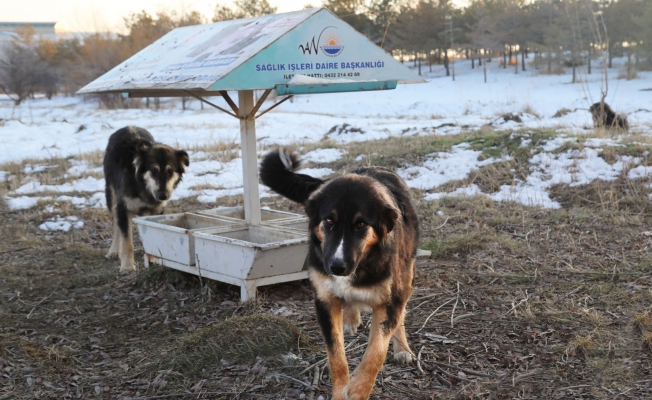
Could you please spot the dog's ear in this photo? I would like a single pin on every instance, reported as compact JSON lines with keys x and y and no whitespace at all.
{"x":311,"y":207}
{"x":142,"y":147}
{"x":388,"y":218}
{"x":183,"y":157}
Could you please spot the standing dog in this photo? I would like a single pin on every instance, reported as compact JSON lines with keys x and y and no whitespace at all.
{"x":363,"y":243}
{"x":140,"y":177}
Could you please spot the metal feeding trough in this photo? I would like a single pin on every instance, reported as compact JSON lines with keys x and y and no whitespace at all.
{"x":168,"y":239}
{"x":265,"y":256}
{"x":304,"y":52}
{"x":268,"y":217}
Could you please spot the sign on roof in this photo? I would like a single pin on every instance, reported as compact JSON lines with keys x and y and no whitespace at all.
{"x":254,"y":53}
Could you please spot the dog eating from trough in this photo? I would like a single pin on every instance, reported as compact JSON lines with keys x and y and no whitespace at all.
{"x":140,"y":176}
{"x":363,"y":243}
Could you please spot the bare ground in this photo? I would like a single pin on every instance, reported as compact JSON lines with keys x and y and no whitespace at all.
{"x":516,"y":302}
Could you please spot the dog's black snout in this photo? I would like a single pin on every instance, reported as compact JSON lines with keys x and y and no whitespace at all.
{"x":337,"y":268}
{"x":162,"y":195}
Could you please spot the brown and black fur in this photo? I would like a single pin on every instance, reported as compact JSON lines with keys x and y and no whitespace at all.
{"x":363,"y":243}
{"x":605,"y":117}
{"x":140,"y":177}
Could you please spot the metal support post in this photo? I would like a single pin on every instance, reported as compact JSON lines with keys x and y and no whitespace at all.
{"x":249,"y":157}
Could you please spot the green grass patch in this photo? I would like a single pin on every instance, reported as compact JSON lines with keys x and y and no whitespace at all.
{"x":158,"y":274}
{"x":237,"y":339}
{"x":464,"y":244}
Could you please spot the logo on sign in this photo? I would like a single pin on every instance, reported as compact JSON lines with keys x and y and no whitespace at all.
{"x":332,"y":45}
{"x":328,"y":41}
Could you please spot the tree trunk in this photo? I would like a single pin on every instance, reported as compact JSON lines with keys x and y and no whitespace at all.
{"x":419,"y":62}
{"x":480,"y":55}
{"x":485,"y":69}
{"x":430,"y":60}
{"x":472,"y":62}
{"x":446,"y":63}
{"x":590,"y":54}
{"x":549,"y":61}
{"x":505,"y":59}
{"x":523,"y":55}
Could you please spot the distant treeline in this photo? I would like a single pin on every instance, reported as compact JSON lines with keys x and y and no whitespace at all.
{"x":558,"y":35}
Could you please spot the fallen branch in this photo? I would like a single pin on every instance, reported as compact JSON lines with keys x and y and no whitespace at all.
{"x":165,"y":396}
{"x":573,"y":387}
{"x":433,"y":313}
{"x":448,"y":374}
{"x":419,"y":363}
{"x":326,"y":359}
{"x":13,"y":250}
{"x":519,"y":378}
{"x":294,"y":380}
{"x":456,"y":301}
{"x":443,"y":381}
{"x":466,"y":371}
{"x":315,"y":381}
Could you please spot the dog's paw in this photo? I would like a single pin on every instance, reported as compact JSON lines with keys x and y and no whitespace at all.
{"x":403,"y":357}
{"x":350,"y":329}
{"x":112,"y":254}
{"x":354,"y":392}
{"x":127,"y":267}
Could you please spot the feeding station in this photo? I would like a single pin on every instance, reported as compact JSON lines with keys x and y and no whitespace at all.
{"x":303,"y":52}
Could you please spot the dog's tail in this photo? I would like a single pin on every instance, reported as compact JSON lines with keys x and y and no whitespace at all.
{"x":277,"y":170}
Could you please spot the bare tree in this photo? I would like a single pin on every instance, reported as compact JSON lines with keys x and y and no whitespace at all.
{"x":20,"y":66}
{"x":483,"y":33}
{"x":243,"y":9}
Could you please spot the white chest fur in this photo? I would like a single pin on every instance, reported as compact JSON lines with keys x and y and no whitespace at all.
{"x":341,"y":287}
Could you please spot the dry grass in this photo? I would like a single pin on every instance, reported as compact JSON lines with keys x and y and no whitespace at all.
{"x":581,"y":346}
{"x":465,"y":244}
{"x":527,"y":109}
{"x":642,"y":321}
{"x":540,"y":303}
{"x":236,"y":339}
{"x":646,"y":340}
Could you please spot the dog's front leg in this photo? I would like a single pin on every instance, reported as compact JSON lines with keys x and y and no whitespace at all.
{"x":127,"y":244}
{"x":329,"y":316}
{"x":116,"y":239}
{"x":384,"y":322}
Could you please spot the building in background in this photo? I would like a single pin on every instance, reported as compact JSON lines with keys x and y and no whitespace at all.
{"x":43,"y":30}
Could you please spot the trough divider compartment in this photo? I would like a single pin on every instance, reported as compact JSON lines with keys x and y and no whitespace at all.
{"x":169,"y":236}
{"x":268,"y":215}
{"x":251,"y":256}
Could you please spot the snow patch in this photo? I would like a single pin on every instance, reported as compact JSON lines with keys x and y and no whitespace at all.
{"x":23,"y":202}
{"x":62,"y":224}
{"x":317,"y":172}
{"x":323,"y":155}
{"x":444,"y":167}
